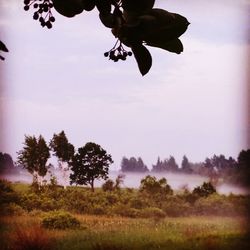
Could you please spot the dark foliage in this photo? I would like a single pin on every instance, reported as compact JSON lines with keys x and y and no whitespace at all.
{"x":90,"y":163}
{"x":133,"y":23}
{"x":133,"y":165}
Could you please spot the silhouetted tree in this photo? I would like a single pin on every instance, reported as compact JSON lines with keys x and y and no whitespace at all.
{"x":34,"y":157}
{"x":168,"y":165}
{"x":6,"y":164}
{"x":185,"y":165}
{"x":89,"y":163}
{"x":64,"y":151}
{"x":133,"y":165}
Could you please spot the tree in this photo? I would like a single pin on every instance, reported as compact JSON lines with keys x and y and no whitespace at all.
{"x":204,"y":190}
{"x":64,"y":151}
{"x":6,"y":164}
{"x":185,"y":165}
{"x":134,"y":23}
{"x":152,"y":186}
{"x":89,"y":163}
{"x":34,"y":157}
{"x":172,"y":165}
{"x":244,"y":159}
{"x":133,"y":165}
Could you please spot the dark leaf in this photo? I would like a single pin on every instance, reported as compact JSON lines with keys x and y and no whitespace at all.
{"x":107,"y":19}
{"x":174,"y":46}
{"x":3,"y":47}
{"x":137,"y":5}
{"x":143,"y":58}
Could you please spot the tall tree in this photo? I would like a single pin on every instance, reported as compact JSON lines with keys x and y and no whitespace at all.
{"x":6,"y":164}
{"x":64,"y":151}
{"x":89,"y":163}
{"x":185,"y":165}
{"x":34,"y":157}
{"x":133,"y":165}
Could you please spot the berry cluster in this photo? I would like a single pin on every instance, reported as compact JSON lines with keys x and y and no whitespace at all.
{"x":118,"y":52}
{"x":43,"y":11}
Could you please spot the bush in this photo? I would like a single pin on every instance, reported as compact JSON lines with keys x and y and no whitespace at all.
{"x":60,"y":220}
{"x":151,"y":186}
{"x":214,"y":205}
{"x":7,"y":194}
{"x":126,"y":211}
{"x":153,"y":212}
{"x":98,"y":210}
{"x":175,"y":206}
{"x":109,"y":185}
{"x":204,"y":190}
{"x":11,"y":209}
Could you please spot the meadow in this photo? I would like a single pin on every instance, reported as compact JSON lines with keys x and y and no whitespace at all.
{"x":109,"y":233}
{"x":123,"y":219}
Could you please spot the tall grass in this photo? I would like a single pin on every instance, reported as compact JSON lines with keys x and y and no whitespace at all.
{"x":33,"y":238}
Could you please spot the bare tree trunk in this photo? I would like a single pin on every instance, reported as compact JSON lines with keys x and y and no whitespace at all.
{"x":92,"y":185}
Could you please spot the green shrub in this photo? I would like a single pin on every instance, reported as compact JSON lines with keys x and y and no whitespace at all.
{"x":214,"y":205}
{"x":60,"y":220}
{"x":153,"y":212}
{"x":7,"y":194}
{"x":126,"y":211}
{"x":204,"y":190}
{"x":175,"y":206}
{"x":98,"y":210}
{"x":109,"y":185}
{"x":11,"y":209}
{"x":152,"y":186}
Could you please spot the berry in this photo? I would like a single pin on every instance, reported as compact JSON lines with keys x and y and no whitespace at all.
{"x":106,"y":54}
{"x":26,"y":2}
{"x":52,"y":19}
{"x":26,"y":7}
{"x":35,"y":16}
{"x":45,"y":8}
{"x":41,"y":19}
{"x":129,"y":53}
{"x":48,"y":24}
{"x":35,"y":6}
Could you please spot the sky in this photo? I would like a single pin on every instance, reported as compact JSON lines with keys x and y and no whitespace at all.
{"x":195,"y":103}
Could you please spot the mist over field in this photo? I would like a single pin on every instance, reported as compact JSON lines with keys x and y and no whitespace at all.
{"x":132,"y":180}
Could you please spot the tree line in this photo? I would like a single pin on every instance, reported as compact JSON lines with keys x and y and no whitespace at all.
{"x":92,"y":162}
{"x":217,"y":168}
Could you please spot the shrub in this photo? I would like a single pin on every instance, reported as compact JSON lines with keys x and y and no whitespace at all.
{"x":60,"y":220}
{"x":151,"y":186}
{"x":12,"y":209}
{"x":126,"y":211}
{"x":204,"y":190}
{"x":153,"y":212}
{"x":109,"y":185}
{"x":98,"y":210}
{"x":175,"y":206}
{"x":7,"y":194}
{"x":214,"y":205}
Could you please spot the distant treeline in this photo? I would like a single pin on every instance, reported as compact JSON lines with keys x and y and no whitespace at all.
{"x":217,"y":168}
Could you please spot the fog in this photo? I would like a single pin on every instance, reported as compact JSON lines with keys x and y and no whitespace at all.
{"x":132,"y":180}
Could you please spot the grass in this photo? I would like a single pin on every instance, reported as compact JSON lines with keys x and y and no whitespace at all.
{"x":111,"y":233}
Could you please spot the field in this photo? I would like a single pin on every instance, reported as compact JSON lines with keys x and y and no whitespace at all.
{"x":103,"y":233}
{"x":120,"y":219}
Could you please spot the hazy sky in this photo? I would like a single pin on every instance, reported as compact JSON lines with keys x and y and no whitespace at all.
{"x":193,"y":103}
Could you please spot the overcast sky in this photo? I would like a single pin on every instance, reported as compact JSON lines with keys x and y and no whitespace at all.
{"x":193,"y":103}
